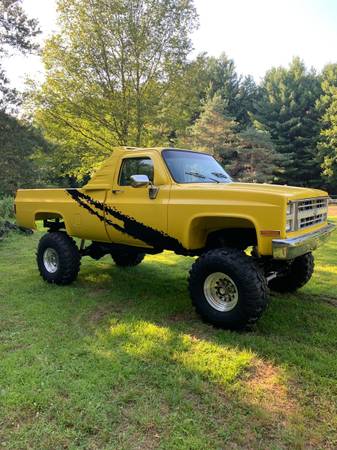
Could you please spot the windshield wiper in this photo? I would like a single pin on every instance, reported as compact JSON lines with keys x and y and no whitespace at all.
{"x":220,"y":175}
{"x":199,"y":175}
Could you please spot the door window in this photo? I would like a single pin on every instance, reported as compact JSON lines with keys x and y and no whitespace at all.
{"x":135,"y":166}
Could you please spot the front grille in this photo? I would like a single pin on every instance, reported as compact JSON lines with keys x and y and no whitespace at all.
{"x":311,"y":212}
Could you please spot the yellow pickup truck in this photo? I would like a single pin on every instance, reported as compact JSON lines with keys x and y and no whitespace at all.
{"x":147,"y":200}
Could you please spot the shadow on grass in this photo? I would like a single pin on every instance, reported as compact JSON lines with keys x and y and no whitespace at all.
{"x":297,"y":330}
{"x":121,"y":358}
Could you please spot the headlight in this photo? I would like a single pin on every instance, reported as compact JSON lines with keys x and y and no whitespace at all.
{"x":290,"y":219}
{"x":289,"y":225}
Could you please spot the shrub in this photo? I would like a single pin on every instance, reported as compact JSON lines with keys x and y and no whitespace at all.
{"x":6,"y":208}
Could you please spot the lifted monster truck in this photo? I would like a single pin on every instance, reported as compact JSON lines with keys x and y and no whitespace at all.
{"x":143,"y":201}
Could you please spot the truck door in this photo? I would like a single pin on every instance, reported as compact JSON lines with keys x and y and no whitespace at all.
{"x":137,"y":215}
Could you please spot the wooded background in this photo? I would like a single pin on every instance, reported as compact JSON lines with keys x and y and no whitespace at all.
{"x":120,"y":72}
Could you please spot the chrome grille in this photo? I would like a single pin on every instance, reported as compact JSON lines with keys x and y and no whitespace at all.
{"x":311,"y":212}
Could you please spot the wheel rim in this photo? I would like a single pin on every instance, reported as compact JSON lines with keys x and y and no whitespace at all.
{"x":51,"y":260}
{"x":221,"y":292}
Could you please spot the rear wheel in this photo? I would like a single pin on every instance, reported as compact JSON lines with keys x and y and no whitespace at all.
{"x":227,"y":288}
{"x":58,"y":258}
{"x":127,"y":259}
{"x":296,"y":275}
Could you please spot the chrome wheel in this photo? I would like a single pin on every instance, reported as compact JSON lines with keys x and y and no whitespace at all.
{"x":221,"y":292}
{"x":51,"y":260}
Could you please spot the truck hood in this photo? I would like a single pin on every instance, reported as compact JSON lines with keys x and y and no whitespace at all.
{"x":288,"y":192}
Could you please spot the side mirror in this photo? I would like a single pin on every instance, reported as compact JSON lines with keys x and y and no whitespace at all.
{"x":139,"y":180}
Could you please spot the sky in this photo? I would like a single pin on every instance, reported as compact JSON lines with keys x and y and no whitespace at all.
{"x":257,"y":34}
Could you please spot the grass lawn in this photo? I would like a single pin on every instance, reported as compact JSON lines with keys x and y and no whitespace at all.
{"x":119,"y":360}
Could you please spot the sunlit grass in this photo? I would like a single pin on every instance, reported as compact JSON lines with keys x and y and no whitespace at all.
{"x":119,"y":360}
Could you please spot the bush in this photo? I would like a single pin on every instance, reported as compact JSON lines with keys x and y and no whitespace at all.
{"x":7,"y":224}
{"x":6,"y":208}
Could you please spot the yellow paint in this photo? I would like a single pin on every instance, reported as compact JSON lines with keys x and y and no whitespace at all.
{"x":186,"y":212}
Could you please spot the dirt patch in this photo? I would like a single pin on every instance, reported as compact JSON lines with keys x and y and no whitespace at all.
{"x":94,"y":293}
{"x":331,"y":300}
{"x":180,"y":317}
{"x":268,"y":389}
{"x":102,"y":312}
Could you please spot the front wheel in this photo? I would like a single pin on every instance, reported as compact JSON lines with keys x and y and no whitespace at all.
{"x":227,"y":288}
{"x":296,"y":275}
{"x":58,"y":258}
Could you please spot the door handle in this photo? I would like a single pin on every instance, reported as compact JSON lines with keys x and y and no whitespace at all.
{"x":117,"y":191}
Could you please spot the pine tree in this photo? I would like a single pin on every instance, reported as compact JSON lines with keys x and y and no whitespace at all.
{"x":238,"y":95}
{"x":287,"y":111}
{"x":255,"y":159}
{"x":213,"y":132}
{"x":248,"y":155}
{"x":246,"y":100}
{"x":327,"y":106}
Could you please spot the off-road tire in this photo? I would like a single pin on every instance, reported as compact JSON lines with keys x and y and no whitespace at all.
{"x":297,"y":275}
{"x":69,"y":259}
{"x":127,"y":259}
{"x":249,"y":280}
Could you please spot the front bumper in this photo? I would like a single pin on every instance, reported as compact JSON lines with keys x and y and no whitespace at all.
{"x":291,"y":248}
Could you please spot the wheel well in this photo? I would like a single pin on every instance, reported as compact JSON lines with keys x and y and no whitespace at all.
{"x":240,"y":238}
{"x":230,"y":232}
{"x":219,"y":231}
{"x":52,"y":221}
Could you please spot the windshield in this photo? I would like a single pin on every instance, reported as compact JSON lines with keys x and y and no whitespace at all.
{"x":192,"y":167}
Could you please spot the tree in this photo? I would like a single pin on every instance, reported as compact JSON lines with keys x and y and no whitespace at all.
{"x":182,"y":104}
{"x":255,"y":159}
{"x":18,"y":143}
{"x":17,"y":32}
{"x":18,"y":140}
{"x":327,"y":106}
{"x":248,"y":155}
{"x":248,"y":95}
{"x":213,"y":132}
{"x":225,"y":82}
{"x":113,"y":71}
{"x":286,"y":110}
{"x":238,"y":94}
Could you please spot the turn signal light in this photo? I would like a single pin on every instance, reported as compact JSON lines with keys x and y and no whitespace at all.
{"x":270,"y":233}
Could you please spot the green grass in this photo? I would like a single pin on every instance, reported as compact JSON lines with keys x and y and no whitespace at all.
{"x":119,"y":360}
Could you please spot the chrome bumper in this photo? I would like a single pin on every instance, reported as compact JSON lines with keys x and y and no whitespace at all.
{"x":291,"y":248}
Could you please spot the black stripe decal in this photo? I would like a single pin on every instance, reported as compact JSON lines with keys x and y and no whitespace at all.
{"x":132,"y":227}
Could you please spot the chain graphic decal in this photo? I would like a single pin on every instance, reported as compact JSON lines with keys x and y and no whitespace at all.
{"x":132,"y":227}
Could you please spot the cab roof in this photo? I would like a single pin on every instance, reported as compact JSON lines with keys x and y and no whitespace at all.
{"x":102,"y":174}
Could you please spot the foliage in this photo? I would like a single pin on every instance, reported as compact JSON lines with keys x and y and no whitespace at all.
{"x":16,"y":29}
{"x":287,"y":110}
{"x":120,"y":73}
{"x":120,"y":360}
{"x":238,"y":94}
{"x":255,"y":159}
{"x":17,"y":32}
{"x":224,"y":81}
{"x":18,"y":143}
{"x":18,"y":140}
{"x":248,"y":155}
{"x":112,"y":73}
{"x":212,"y":131}
{"x":327,"y":106}
{"x":6,"y":207}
